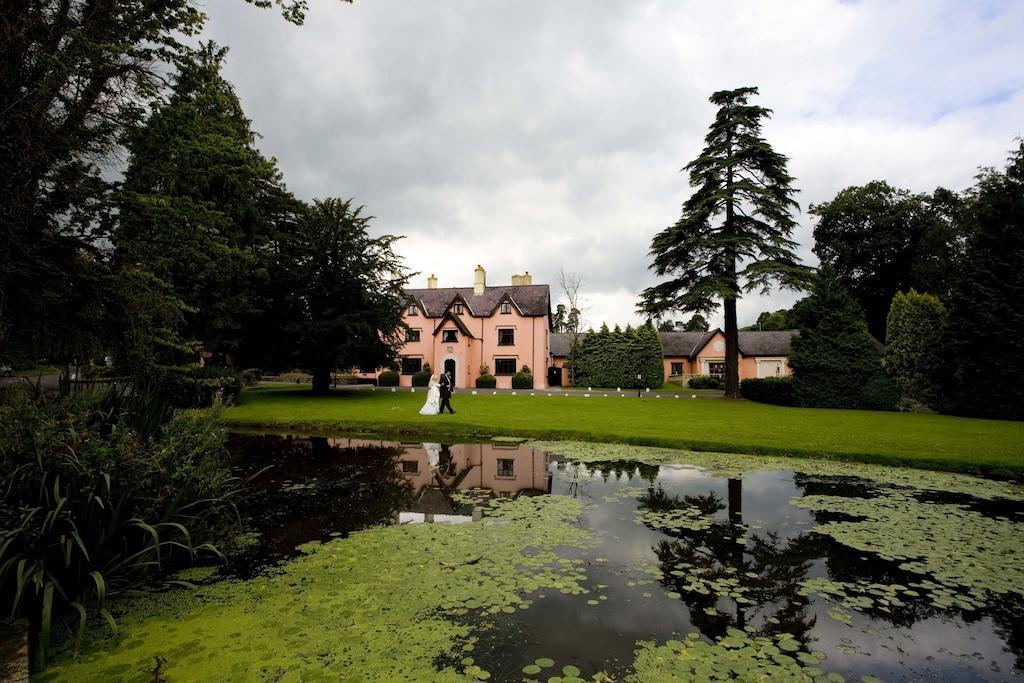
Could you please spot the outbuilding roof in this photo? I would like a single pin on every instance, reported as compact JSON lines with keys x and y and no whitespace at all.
{"x":687,"y":344}
{"x":529,"y":300}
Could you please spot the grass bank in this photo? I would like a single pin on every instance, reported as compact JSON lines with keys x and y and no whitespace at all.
{"x":927,"y":441}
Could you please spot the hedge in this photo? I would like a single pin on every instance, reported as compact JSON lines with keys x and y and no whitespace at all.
{"x":388,"y":378}
{"x":615,"y":358}
{"x":776,"y":390}
{"x":706,"y":382}
{"x":522,"y":380}
{"x":486,"y":382}
{"x":421,"y":378}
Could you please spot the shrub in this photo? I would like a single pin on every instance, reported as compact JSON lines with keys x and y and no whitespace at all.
{"x":880,"y":393}
{"x":102,"y":491}
{"x":485,"y":370}
{"x":193,"y":386}
{"x":526,"y":369}
{"x":916,"y":356}
{"x":522,"y":380}
{"x":486,"y":382}
{"x":706,"y":382}
{"x":251,"y":376}
{"x":834,"y":357}
{"x":421,"y":378}
{"x":776,"y":390}
{"x":388,"y":378}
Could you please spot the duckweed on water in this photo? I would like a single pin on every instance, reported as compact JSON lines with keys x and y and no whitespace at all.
{"x":738,"y":655}
{"x":731,"y":465}
{"x":924,"y":536}
{"x":373,"y":606}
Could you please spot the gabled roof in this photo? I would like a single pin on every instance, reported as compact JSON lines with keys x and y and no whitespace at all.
{"x":448,"y":315}
{"x":530,"y":300}
{"x":684,"y":343}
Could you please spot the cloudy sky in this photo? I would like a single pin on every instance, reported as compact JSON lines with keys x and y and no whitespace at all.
{"x":537,"y":135}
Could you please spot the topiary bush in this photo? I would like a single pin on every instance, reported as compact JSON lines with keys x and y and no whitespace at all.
{"x":388,"y":378}
{"x":251,"y":376}
{"x":522,"y":380}
{"x":775,"y":390}
{"x":486,"y":382}
{"x":706,"y":382}
{"x":421,"y":378}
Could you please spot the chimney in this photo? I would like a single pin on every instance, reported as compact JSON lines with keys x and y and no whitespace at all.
{"x":526,"y":278}
{"x":432,"y":281}
{"x":517,"y":280}
{"x":479,"y":280}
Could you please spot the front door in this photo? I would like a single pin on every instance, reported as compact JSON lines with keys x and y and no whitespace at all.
{"x":449,"y":367}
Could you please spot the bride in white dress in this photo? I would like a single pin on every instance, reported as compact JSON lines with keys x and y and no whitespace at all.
{"x":433,"y":397}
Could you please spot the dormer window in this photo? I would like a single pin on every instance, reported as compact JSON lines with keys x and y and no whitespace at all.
{"x":458,"y":308}
{"x":412,"y":309}
{"x":449,"y":336}
{"x":506,"y":307}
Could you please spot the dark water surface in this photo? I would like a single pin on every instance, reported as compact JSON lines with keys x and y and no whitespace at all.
{"x":754,"y":554}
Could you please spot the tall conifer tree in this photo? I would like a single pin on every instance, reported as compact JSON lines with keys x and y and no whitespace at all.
{"x":734,"y":232}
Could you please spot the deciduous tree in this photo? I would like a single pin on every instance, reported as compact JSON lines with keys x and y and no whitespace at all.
{"x":343,"y":293}
{"x":987,"y":318}
{"x":881,"y":240}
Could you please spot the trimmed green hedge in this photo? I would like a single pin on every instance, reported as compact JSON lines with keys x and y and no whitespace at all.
{"x":421,"y":378}
{"x":776,"y":390}
{"x":613,"y":358}
{"x":486,"y":382}
{"x":706,"y":382}
{"x":388,"y":378}
{"x":522,"y":380}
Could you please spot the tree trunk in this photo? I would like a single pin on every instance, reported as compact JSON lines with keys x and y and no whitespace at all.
{"x":732,"y":335}
{"x":321,"y":381}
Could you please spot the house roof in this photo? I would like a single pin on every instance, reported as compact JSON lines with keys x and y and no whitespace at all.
{"x":687,"y":344}
{"x":530,"y":300}
{"x":775,"y":343}
{"x":684,"y":343}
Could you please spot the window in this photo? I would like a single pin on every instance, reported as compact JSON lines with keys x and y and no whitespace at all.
{"x":506,"y":307}
{"x":412,"y":336}
{"x":677,"y":369}
{"x":504,"y":366}
{"x":449,"y":336}
{"x":506,"y":337}
{"x":458,"y":308}
{"x":412,"y":309}
{"x":506,"y":468}
{"x":716,"y":369}
{"x":410,"y":366}
{"x":410,"y":466}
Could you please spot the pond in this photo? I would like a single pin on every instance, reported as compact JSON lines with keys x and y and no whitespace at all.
{"x":376,"y":560}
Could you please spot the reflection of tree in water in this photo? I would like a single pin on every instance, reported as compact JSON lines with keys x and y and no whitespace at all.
{"x":766,"y":569}
{"x":849,"y":565}
{"x":312,"y":488}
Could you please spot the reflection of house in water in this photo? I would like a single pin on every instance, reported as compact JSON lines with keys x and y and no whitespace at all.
{"x":437,"y":471}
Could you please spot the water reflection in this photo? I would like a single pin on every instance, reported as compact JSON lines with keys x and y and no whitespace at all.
{"x":438,"y":472}
{"x":746,"y":566}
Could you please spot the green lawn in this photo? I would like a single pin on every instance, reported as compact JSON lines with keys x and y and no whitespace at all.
{"x":918,"y":440}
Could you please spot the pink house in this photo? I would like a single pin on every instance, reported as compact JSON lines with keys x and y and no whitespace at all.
{"x":458,"y":329}
{"x":762,"y":354}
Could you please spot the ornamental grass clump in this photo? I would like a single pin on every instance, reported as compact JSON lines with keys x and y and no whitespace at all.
{"x":102,"y":492}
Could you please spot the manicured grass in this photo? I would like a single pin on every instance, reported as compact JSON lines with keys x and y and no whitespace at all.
{"x":918,"y":440}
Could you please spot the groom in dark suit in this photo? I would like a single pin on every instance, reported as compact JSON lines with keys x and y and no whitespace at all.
{"x":447,"y":386}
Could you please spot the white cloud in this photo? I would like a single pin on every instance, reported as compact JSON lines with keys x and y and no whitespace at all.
{"x":536,"y":136}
